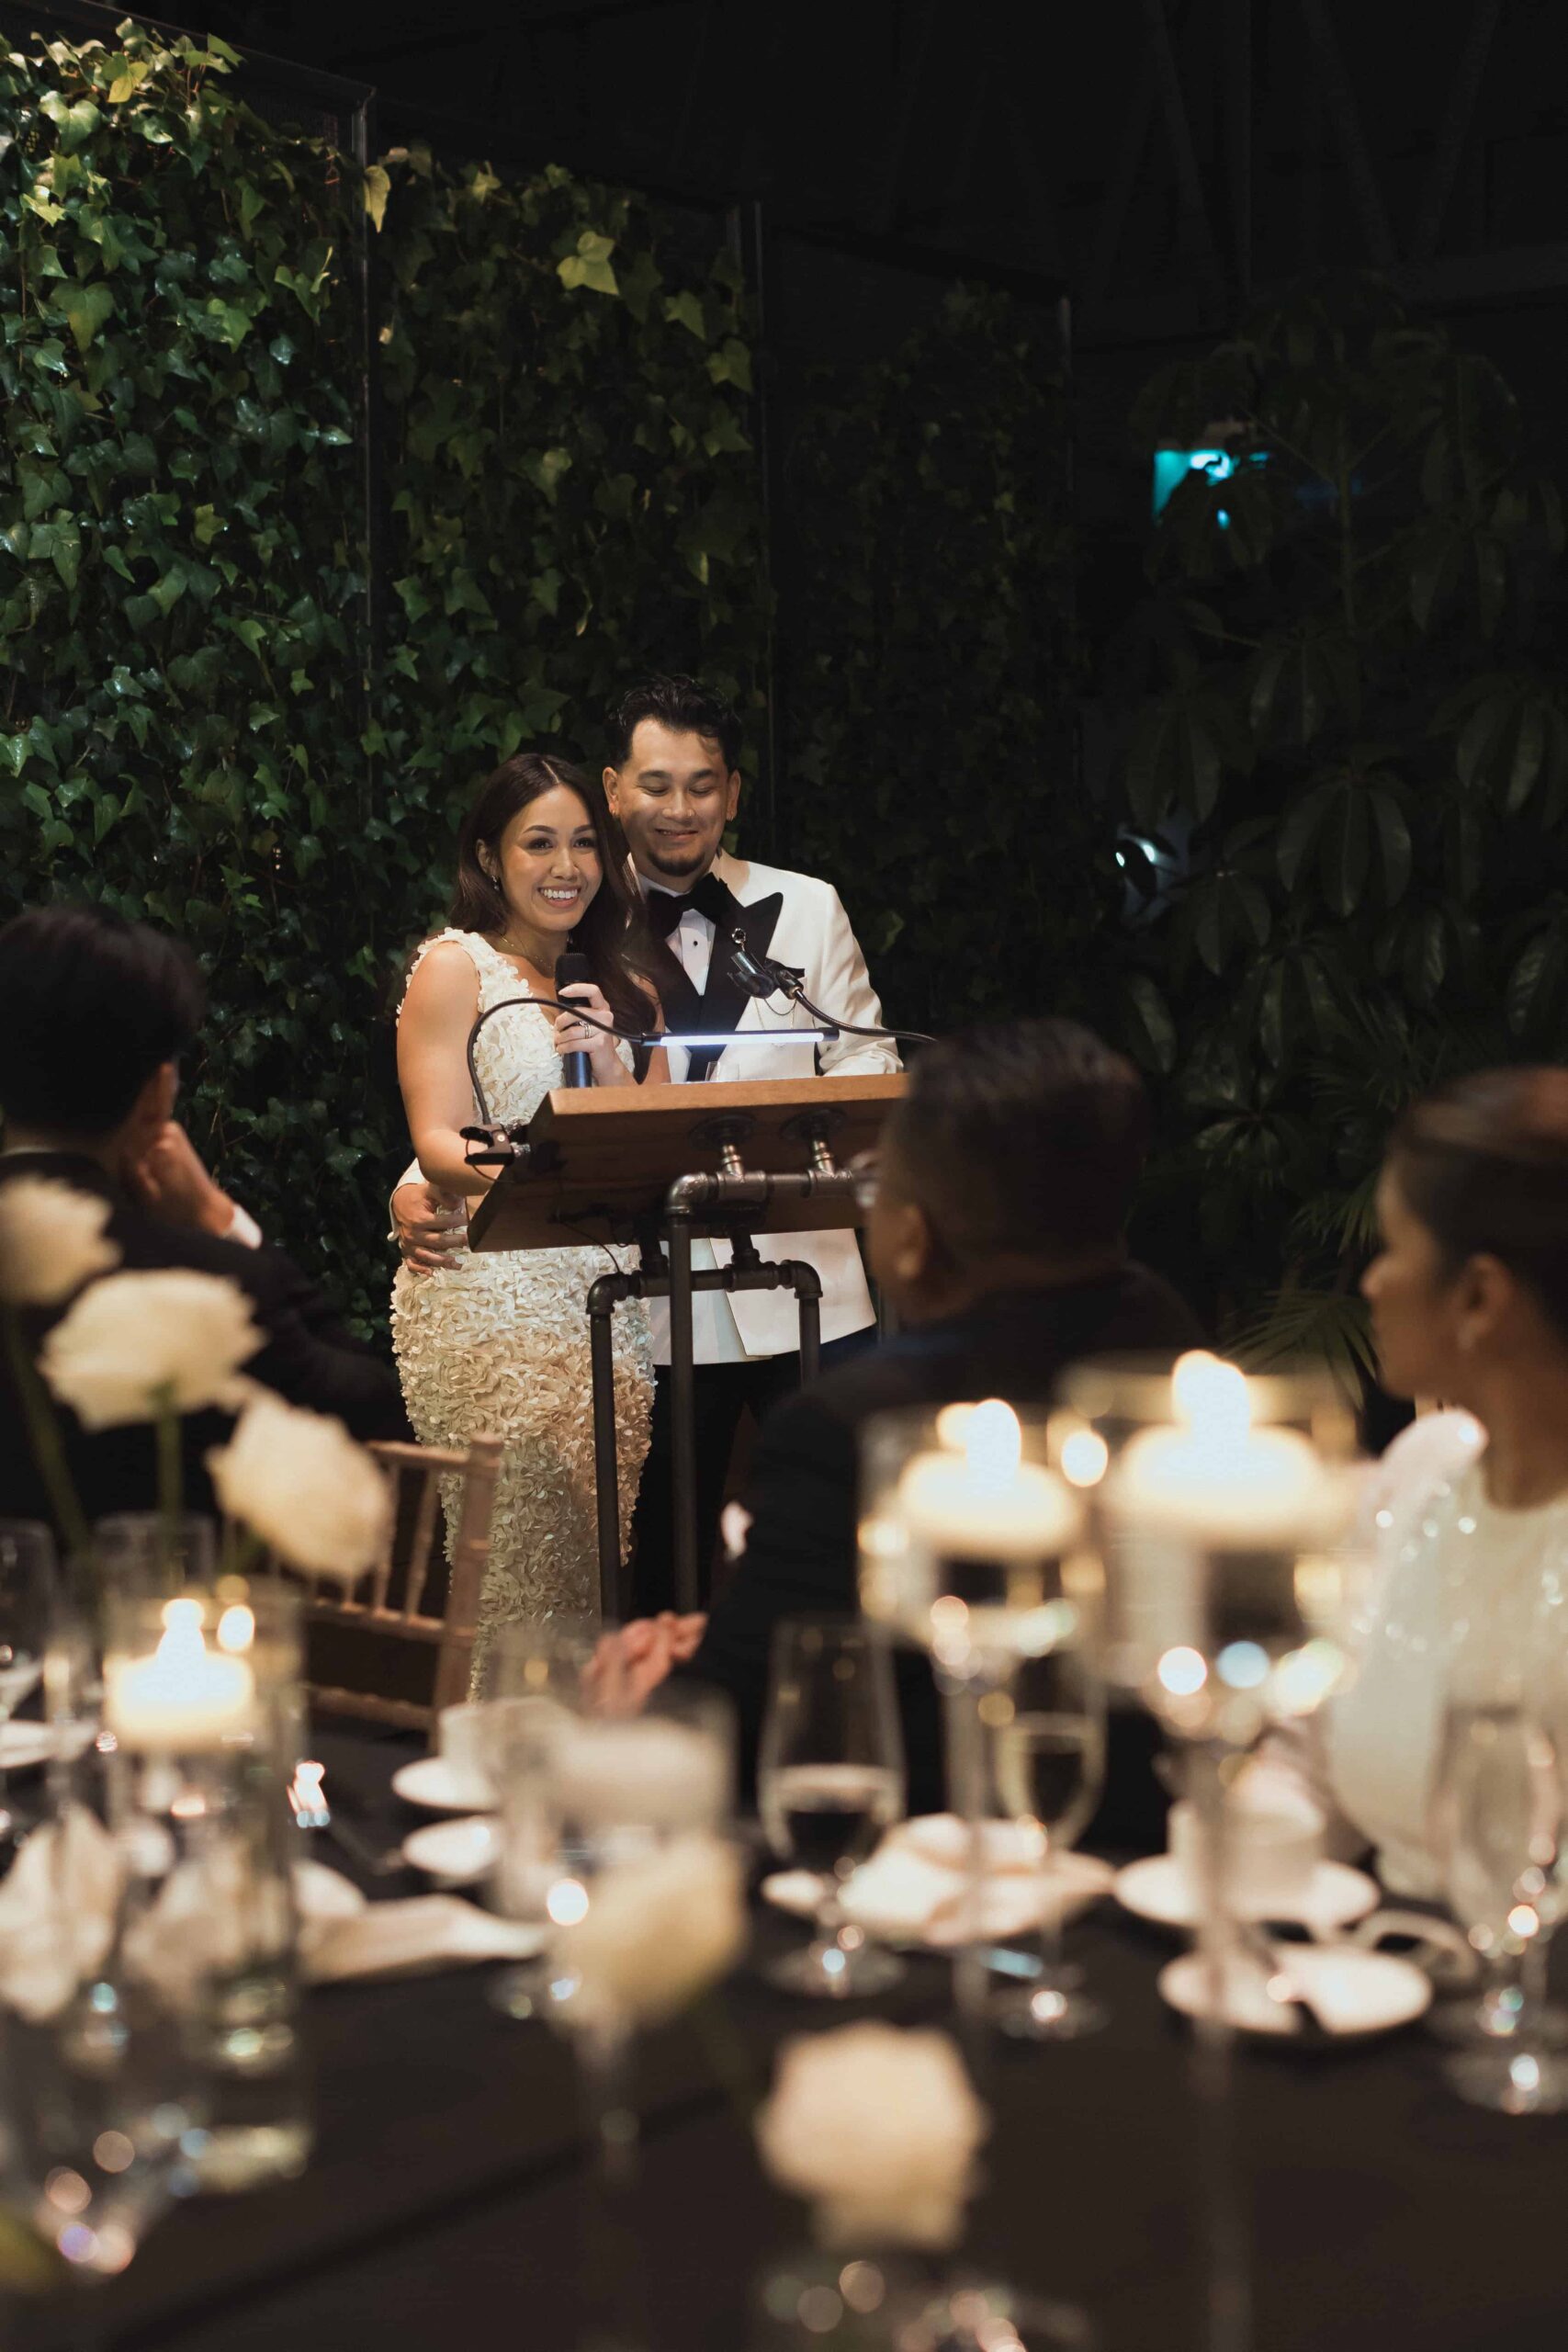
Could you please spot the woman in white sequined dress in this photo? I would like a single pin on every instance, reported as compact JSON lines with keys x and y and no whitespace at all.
{"x":1468,"y":1508}
{"x":499,"y":1342}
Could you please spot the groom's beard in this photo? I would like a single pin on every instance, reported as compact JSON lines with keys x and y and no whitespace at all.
{"x":680,"y":865}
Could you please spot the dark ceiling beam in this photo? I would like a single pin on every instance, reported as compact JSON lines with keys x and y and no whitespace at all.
{"x":1455,"y":132}
{"x":882,"y":209}
{"x":1043,"y":208}
{"x":961,"y":177}
{"x":1340,"y":100}
{"x":1121,"y":187}
{"x":1179,"y":131}
{"x":449,"y":34}
{"x":690,"y":97}
{"x":1237,"y":136}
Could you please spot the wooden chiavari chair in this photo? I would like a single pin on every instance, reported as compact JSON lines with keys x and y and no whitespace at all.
{"x":388,"y":1600}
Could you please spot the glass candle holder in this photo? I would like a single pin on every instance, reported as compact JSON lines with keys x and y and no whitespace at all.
{"x":1223,"y":1506}
{"x":972,"y":1543}
{"x":200,"y":1715}
{"x":975,"y":1547}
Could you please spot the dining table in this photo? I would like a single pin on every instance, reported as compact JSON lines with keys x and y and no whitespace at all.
{"x":452,"y":2198}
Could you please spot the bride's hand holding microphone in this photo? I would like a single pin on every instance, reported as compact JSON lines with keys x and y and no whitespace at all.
{"x":593,"y":1047}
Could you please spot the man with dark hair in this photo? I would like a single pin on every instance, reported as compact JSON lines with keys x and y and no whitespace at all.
{"x":673,"y":780}
{"x":678,"y":706}
{"x":997,"y":1230}
{"x":97,"y":1014}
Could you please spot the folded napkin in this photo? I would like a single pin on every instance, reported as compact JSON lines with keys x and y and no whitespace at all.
{"x":425,"y":1932}
{"x":57,"y":1914}
{"x":59,"y":1907}
{"x":916,"y":1888}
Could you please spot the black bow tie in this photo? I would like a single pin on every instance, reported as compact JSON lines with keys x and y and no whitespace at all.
{"x":664,"y":909}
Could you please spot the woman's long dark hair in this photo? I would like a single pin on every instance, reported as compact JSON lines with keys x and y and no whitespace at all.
{"x":1483,"y":1163}
{"x":612,"y":934}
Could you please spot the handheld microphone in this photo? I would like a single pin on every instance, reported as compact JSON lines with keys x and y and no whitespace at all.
{"x":572,"y":972}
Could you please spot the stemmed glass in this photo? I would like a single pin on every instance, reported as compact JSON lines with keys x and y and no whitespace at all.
{"x":1049,"y":1761}
{"x":1498,"y":1819}
{"x":27,"y":1603}
{"x":829,"y":1780}
{"x":535,"y":1679}
{"x":974,"y":1546}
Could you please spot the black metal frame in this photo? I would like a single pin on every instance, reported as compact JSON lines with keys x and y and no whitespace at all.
{"x":718,"y":1205}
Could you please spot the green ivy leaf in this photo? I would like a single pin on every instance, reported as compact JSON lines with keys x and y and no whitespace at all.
{"x":76,"y":121}
{"x":589,"y":266}
{"x":378,"y":188}
{"x":86,"y":309}
{"x":685,"y":310}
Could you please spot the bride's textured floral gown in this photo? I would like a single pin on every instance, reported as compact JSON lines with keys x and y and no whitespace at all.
{"x":499,"y":1344}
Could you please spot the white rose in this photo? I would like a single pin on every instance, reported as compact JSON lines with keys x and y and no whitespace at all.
{"x":137,"y":1341}
{"x":877,"y":2127}
{"x":52,"y":1241}
{"x":655,"y":1932}
{"x":300,"y":1481}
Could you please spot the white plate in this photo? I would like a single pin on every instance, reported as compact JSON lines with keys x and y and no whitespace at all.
{"x":439,"y":1786}
{"x":1351,"y":1991}
{"x":900,"y":1898}
{"x":1160,"y":1890}
{"x":456,"y":1852}
{"x":943,"y":1838}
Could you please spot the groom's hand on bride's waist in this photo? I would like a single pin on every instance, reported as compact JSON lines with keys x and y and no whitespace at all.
{"x":428,"y":1225}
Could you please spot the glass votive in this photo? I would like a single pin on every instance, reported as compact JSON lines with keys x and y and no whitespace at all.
{"x":201,"y":1727}
{"x":971,"y":1545}
{"x":1223,"y":1505}
{"x":154,"y":1551}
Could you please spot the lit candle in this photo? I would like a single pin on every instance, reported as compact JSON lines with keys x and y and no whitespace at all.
{"x":987,"y":1502}
{"x":183,"y":1699}
{"x":1214,"y":1479}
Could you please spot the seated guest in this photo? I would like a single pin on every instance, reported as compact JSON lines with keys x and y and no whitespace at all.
{"x":97,"y":1013}
{"x":998,"y":1234}
{"x":1469,"y":1294}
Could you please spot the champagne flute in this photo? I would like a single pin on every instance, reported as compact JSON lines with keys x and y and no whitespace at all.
{"x":829,"y":1780}
{"x":1497,"y":1826}
{"x":26,"y":1596}
{"x":1048,"y":1749}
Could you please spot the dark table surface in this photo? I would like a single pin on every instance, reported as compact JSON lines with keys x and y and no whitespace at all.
{"x":447,"y":2201}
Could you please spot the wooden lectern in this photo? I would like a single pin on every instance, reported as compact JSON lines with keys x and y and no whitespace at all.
{"x":661,"y":1166}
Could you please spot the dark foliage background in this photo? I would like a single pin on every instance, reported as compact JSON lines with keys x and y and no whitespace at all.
{"x":323,"y":489}
{"x":204,"y":723}
{"x":1346,"y":786}
{"x":931,"y":760}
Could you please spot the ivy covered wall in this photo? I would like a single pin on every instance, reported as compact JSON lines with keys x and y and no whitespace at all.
{"x":199,"y":724}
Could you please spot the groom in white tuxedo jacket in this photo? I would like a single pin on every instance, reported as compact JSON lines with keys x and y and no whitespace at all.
{"x":674,"y":783}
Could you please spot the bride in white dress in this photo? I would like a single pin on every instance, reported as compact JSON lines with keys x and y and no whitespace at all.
{"x":499,"y":1342}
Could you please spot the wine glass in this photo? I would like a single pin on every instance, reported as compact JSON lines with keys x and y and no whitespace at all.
{"x":534,"y":1679}
{"x":26,"y":1600}
{"x":1048,"y":1749}
{"x":829,"y":1780}
{"x":1497,"y":1828}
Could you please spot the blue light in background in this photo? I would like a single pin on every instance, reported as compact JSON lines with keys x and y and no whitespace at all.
{"x":1173,"y":466}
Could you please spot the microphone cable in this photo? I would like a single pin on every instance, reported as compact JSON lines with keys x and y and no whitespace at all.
{"x":788,"y":984}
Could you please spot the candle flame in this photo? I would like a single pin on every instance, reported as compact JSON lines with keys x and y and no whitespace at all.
{"x":236,"y":1628}
{"x":1211,"y":1396}
{"x":1086,"y":1457}
{"x":993,"y":1444}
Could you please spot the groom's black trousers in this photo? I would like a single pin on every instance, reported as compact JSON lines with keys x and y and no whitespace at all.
{"x":723,"y":1392}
